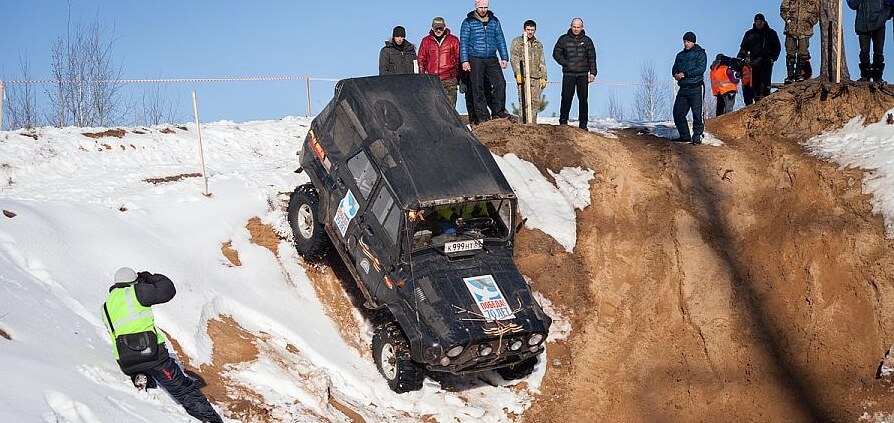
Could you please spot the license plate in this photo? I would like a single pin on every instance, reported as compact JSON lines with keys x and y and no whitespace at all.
{"x":465,"y":245}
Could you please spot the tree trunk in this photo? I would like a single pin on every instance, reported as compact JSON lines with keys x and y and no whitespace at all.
{"x":829,"y":39}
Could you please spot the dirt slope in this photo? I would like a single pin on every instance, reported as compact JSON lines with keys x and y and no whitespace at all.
{"x":748,"y":282}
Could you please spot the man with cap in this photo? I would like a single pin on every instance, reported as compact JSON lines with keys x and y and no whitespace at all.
{"x":399,"y":55}
{"x":140,"y":347}
{"x":535,"y":66}
{"x":481,"y":39}
{"x":760,"y":48}
{"x":689,"y":71}
{"x":576,"y":53}
{"x":439,"y":55}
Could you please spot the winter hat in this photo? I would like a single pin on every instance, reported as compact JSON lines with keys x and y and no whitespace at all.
{"x":480,"y":3}
{"x":399,"y":31}
{"x":689,"y":36}
{"x":759,"y":17}
{"x":438,"y":23}
{"x":125,"y":275}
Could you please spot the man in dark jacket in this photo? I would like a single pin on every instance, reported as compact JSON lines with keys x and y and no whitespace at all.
{"x":399,"y":55}
{"x":760,"y":48}
{"x":480,"y":40}
{"x":689,"y":71}
{"x":139,"y":346}
{"x":439,"y":55}
{"x":576,"y":53}
{"x":870,"y":27}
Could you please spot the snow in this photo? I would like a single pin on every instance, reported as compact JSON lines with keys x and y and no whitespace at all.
{"x":82,"y":208}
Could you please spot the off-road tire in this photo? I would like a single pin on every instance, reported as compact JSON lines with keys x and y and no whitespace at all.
{"x":391,"y":352}
{"x":521,"y":370}
{"x":311,"y":240}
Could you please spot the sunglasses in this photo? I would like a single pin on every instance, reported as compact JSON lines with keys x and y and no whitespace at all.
{"x":440,"y":28}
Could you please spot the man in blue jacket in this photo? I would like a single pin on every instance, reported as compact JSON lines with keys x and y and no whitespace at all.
{"x":689,"y":71}
{"x":870,"y":27}
{"x":481,"y":38}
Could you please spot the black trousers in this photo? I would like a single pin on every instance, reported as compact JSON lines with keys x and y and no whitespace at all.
{"x":570,"y":84}
{"x":762,"y":76}
{"x":725,"y":103}
{"x":690,"y":98}
{"x":184,"y":390}
{"x":484,"y":71}
{"x":877,"y":38}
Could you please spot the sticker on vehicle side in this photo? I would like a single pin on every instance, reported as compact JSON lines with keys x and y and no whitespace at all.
{"x":464,"y":245}
{"x":347,"y":210}
{"x":490,"y":299}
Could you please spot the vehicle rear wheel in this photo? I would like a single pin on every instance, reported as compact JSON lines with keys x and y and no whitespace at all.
{"x":520,"y":370}
{"x":391,"y":352}
{"x":307,"y":227}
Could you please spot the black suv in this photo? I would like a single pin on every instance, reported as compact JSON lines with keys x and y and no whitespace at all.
{"x":424,"y":219}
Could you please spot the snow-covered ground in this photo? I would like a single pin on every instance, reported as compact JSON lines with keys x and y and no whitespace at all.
{"x":77,"y":208}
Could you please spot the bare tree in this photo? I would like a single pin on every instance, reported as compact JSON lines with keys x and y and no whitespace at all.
{"x":22,"y":108}
{"x":829,"y":42}
{"x":86,"y":91}
{"x":651,"y":98}
{"x":613,"y":108}
{"x":156,"y":108}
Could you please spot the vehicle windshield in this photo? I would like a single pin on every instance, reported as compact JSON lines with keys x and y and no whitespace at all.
{"x":449,"y":225}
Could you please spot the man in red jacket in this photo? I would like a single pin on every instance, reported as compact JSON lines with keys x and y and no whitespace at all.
{"x":439,"y":55}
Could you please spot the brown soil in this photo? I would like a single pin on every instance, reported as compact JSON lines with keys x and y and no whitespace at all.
{"x":5,"y":335}
{"x":166,"y":131}
{"x":749,"y":282}
{"x":231,"y":254}
{"x":173,"y":178}
{"x":9,"y":214}
{"x":117,"y":133}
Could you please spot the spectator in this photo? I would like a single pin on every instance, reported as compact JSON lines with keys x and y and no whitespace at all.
{"x":689,"y":71}
{"x":747,"y":91}
{"x":870,"y":27}
{"x":760,"y":48}
{"x":439,"y":55}
{"x":724,"y":84}
{"x":535,"y":65}
{"x":800,"y":17}
{"x":399,"y":55}
{"x":481,"y":39}
{"x":576,"y":53}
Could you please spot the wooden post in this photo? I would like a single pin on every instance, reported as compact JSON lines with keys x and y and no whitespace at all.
{"x":195,"y":107}
{"x":838,"y":43}
{"x":1,"y":104}
{"x":307,"y":87}
{"x":526,"y":78}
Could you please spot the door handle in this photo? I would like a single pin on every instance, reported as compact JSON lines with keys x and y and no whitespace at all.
{"x":368,"y":230}
{"x":340,"y":182}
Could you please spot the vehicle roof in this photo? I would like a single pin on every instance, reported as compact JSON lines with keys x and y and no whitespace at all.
{"x":414,"y":135}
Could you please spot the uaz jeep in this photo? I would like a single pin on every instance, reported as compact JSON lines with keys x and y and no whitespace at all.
{"x":424,"y":219}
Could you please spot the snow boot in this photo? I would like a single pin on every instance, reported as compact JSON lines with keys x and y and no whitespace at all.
{"x":791,"y":65}
{"x":877,"y":70}
{"x":865,"y":72}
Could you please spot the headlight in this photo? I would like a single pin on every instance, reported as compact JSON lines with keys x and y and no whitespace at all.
{"x":455,"y":351}
{"x":535,"y":339}
{"x":484,"y":350}
{"x":515,"y":345}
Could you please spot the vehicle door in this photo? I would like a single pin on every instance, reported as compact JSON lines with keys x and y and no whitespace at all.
{"x":360,"y":179}
{"x":350,"y":193}
{"x":379,"y":239}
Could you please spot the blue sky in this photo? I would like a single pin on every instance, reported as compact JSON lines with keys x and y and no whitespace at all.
{"x":338,"y":39}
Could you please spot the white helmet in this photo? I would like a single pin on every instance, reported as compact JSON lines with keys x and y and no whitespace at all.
{"x":125,"y":275}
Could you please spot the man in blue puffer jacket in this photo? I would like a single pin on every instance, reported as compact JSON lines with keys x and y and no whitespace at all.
{"x":870,"y":27}
{"x":481,"y":38}
{"x":689,"y":71}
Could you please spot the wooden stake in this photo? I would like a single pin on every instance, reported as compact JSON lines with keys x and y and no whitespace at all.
{"x":307,"y":87}
{"x":838,"y":59}
{"x":195,"y":107}
{"x":529,"y":115}
{"x":1,"y":105}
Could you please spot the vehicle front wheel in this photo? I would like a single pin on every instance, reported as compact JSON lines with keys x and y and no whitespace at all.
{"x":520,"y":370}
{"x":307,"y":227}
{"x":391,"y":352}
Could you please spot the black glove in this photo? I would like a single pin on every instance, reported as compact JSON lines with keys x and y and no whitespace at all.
{"x":144,"y":276}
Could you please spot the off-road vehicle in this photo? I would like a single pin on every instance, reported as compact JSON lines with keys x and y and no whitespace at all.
{"x":425,"y":221}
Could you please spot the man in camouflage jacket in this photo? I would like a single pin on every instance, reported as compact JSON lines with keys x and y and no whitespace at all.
{"x":536,"y":65}
{"x":800,"y":17}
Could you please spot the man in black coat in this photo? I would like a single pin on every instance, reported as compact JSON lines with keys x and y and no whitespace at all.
{"x":689,"y":71}
{"x":139,"y":346}
{"x":576,"y":53}
{"x":399,"y":55}
{"x":760,"y":47}
{"x":870,"y":27}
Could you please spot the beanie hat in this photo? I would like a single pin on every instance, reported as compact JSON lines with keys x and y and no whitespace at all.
{"x":480,"y":3}
{"x":759,"y":17}
{"x":530,"y":22}
{"x":125,"y":275}
{"x":438,"y":23}
{"x":399,"y":31}
{"x":689,"y":36}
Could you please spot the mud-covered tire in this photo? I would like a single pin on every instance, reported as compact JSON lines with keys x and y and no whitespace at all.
{"x":391,"y":352}
{"x":311,"y":240}
{"x":520,"y":370}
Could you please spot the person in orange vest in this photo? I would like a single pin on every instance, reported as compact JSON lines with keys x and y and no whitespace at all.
{"x":724,"y":84}
{"x":747,"y":92}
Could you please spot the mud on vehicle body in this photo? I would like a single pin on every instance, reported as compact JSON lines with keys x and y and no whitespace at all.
{"x":425,"y":221}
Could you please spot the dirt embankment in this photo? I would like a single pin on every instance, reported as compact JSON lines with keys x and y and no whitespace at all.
{"x":749,"y":282}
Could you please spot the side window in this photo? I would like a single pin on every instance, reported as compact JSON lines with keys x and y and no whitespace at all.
{"x":347,"y":133}
{"x":364,"y":174}
{"x":387,"y":213}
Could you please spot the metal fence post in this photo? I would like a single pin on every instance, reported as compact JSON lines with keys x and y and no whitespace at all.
{"x":2,"y":93}
{"x":195,"y":106}
{"x":307,"y":87}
